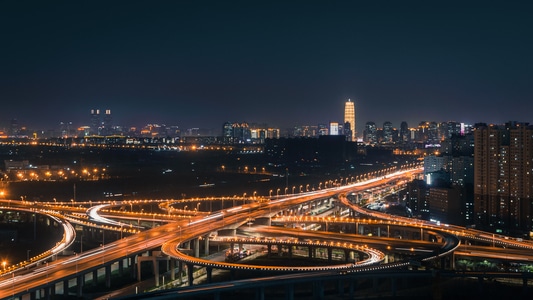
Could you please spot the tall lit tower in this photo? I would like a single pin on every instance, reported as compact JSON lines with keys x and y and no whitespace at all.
{"x":349,"y":117}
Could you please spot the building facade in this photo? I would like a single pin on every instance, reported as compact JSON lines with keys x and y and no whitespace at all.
{"x":503,"y":176}
{"x":349,"y":117}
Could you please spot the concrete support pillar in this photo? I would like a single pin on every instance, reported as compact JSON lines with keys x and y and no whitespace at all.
{"x":209,"y":272}
{"x":311,"y":251}
{"x":156,"y":270}
{"x":65,"y":287}
{"x":289,"y":292}
{"x":206,"y":245}
{"x":393,"y":286}
{"x":260,"y":293}
{"x":196,"y":247}
{"x":79,"y":285}
{"x":53,"y":290}
{"x":379,"y":231}
{"x":95,"y":277}
{"x":133,"y":264}
{"x":453,"y":261}
{"x":121,"y":267}
{"x":172,"y":269}
{"x":46,"y":292}
{"x":290,"y":251}
{"x":318,"y":290}
{"x":108,"y":276}
{"x":340,"y":287}
{"x":269,"y":250}
{"x":190,"y":274}
{"x":330,"y":254}
{"x":347,"y":256}
{"x":280,"y":250}
{"x":180,"y":270}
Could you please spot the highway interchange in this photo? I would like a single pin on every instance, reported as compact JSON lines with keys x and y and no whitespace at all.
{"x":179,"y":226}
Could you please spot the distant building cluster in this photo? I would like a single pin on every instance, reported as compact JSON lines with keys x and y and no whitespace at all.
{"x":474,"y":175}
{"x":431,"y":133}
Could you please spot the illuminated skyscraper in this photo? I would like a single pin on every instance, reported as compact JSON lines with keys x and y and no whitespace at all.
{"x":349,"y":117}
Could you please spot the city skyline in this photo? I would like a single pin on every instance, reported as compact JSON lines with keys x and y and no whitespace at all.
{"x":285,"y":64}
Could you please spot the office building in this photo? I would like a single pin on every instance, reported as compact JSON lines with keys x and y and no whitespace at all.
{"x":370,"y":134}
{"x":349,"y":117}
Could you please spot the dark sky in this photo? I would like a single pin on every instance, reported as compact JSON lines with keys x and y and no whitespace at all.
{"x":201,"y":63}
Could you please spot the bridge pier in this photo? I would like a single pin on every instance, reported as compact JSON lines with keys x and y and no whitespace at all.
{"x":393,"y":286}
{"x":172,"y":268}
{"x":209,"y":272}
{"x":121,"y":267}
{"x":330,"y":254}
{"x":180,"y":270}
{"x":190,"y":277}
{"x":79,"y":285}
{"x":52,"y":291}
{"x":260,"y":293}
{"x":65,"y":287}
{"x":95,"y":277}
{"x":318,"y":289}
{"x":340,"y":287}
{"x":206,"y":245}
{"x":351,"y":288}
{"x":196,"y":247}
{"x":289,"y":292}
{"x":108,"y":276}
{"x":347,"y":255}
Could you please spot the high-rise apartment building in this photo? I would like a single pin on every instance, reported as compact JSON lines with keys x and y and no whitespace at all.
{"x":503,"y":176}
{"x":349,"y":117}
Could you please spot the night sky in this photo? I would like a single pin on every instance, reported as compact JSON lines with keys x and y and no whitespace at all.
{"x":284,"y":63}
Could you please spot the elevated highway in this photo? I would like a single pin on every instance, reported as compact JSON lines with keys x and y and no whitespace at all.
{"x":176,"y":231}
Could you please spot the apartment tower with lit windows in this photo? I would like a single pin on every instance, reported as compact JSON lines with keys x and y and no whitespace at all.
{"x":503,"y":176}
